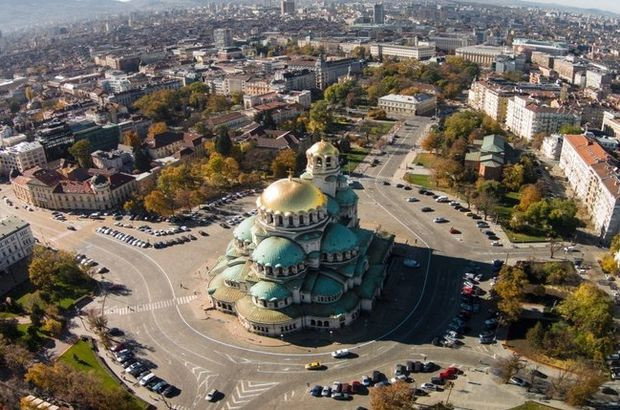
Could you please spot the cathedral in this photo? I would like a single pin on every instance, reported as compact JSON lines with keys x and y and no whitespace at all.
{"x":302,"y":262}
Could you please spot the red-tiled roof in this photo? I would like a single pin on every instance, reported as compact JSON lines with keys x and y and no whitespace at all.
{"x":590,"y":151}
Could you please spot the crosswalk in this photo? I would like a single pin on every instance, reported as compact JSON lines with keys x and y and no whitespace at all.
{"x":245,"y":391}
{"x":146,"y":307}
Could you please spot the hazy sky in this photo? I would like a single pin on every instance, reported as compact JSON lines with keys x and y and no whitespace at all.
{"x":613,"y":5}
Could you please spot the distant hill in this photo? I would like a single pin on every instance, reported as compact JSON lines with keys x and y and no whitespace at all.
{"x":524,"y":3}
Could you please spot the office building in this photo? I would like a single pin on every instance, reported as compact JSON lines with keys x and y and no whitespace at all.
{"x":420,"y":52}
{"x":287,"y":7}
{"x":329,"y":71}
{"x":100,"y":137}
{"x":484,"y":56}
{"x":378,"y":15}
{"x":222,"y":37}
{"x":56,"y":138}
{"x":528,"y":46}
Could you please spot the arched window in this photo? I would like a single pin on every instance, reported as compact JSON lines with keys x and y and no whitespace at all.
{"x":301,"y":220}
{"x":290,"y":221}
{"x":326,"y":323}
{"x":279,"y":220}
{"x":310,"y":219}
{"x":312,"y":322}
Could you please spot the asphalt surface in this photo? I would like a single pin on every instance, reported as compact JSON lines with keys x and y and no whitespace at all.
{"x":161,"y":305}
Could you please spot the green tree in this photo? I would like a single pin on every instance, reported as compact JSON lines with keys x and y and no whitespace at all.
{"x":570,"y":129}
{"x":158,"y":203}
{"x":509,"y":290}
{"x":283,"y":162}
{"x":142,"y":160}
{"x":81,"y":151}
{"x":320,"y":118}
{"x":223,"y":144}
{"x":513,"y":177}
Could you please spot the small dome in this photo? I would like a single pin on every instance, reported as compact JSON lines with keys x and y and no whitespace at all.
{"x":346,"y":196}
{"x":292,"y":195}
{"x":99,"y":180}
{"x":269,"y":291}
{"x":243,"y":231}
{"x":323,"y":148}
{"x":333,"y":208}
{"x":338,"y":238}
{"x":276,"y":251}
{"x":233,"y":274}
{"x":326,"y":286}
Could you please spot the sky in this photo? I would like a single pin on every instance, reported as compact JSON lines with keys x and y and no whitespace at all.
{"x":612,"y":5}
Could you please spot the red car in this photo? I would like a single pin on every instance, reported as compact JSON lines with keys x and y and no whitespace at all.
{"x":446,"y":375}
{"x":356,"y":386}
{"x":119,"y":347}
{"x":453,"y":370}
{"x":346,"y":388}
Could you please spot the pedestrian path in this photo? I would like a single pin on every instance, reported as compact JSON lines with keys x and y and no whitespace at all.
{"x":146,"y":307}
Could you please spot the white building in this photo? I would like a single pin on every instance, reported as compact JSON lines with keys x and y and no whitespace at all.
{"x":420,"y":52}
{"x":594,"y":180}
{"x":485,"y":56}
{"x":21,"y":157}
{"x":552,"y":146}
{"x":526,"y":118}
{"x":16,"y":243}
{"x":611,"y":123}
{"x":419,"y":104}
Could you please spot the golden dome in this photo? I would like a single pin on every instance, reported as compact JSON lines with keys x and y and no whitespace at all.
{"x":292,"y":195}
{"x":323,"y":148}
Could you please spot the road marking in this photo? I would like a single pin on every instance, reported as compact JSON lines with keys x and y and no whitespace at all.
{"x":147,"y":307}
{"x":246,"y":391}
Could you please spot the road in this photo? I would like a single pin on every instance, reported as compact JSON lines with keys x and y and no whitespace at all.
{"x":161,"y":307}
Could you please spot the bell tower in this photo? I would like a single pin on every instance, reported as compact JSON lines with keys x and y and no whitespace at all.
{"x":324,"y":165}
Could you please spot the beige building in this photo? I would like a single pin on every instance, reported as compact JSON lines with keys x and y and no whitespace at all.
{"x":21,"y":157}
{"x":594,"y":180}
{"x":483,"y":55}
{"x":419,"y":104}
{"x":611,"y":123}
{"x":490,"y":98}
{"x":50,"y":189}
{"x":420,"y":52}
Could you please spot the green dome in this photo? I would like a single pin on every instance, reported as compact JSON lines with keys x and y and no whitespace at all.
{"x":346,"y":197}
{"x":276,"y":251}
{"x":338,"y":238}
{"x":333,"y":208}
{"x":326,"y":286}
{"x":269,"y":291}
{"x":243,"y":231}
{"x":233,"y":274}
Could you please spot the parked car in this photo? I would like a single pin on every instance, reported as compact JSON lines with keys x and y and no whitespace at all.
{"x":518,"y":381}
{"x":338,"y":354}
{"x":313,"y":366}
{"x":213,"y":395}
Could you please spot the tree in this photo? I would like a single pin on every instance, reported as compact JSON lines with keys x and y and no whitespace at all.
{"x":158,"y":203}
{"x":589,"y":309}
{"x":36,"y":315}
{"x":586,"y":384}
{"x":448,"y":171}
{"x":513,"y":177}
{"x":223,"y":144}
{"x":283,"y":162}
{"x":48,"y":269}
{"x":320,"y":118}
{"x":157,"y":128}
{"x":217,"y":103}
{"x":570,"y":129}
{"x":536,"y":335}
{"x":537,"y":140}
{"x":237,"y":98}
{"x":509,"y":366}
{"x":81,"y":151}
{"x":52,"y":327}
{"x":96,"y":320}
{"x":141,"y":159}
{"x":556,"y":217}
{"x":509,"y":290}
{"x":377,"y":114}
{"x":160,"y":105}
{"x":29,"y":93}
{"x":132,"y":139}
{"x":432,"y":142}
{"x":529,"y":194}
{"x":265,"y":119}
{"x":609,"y":264}
{"x":397,"y":396}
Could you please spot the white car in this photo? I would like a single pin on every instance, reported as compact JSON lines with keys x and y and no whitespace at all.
{"x":428,"y":387}
{"x":439,"y":219}
{"x":146,"y":379}
{"x":338,"y":354}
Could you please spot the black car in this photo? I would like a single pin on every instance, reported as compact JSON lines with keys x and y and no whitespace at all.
{"x":438,"y":381}
{"x":421,"y":191}
{"x":410,"y":366}
{"x":417,"y":366}
{"x":377,"y":376}
{"x":115,"y":331}
{"x":407,"y":188}
{"x":428,"y":367}
{"x":427,"y":209}
{"x":386,"y":183}
{"x":169,"y":391}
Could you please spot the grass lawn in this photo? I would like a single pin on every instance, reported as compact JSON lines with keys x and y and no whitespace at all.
{"x":354,"y":158}
{"x":504,"y":210}
{"x":82,"y":358}
{"x":531,"y":405}
{"x":64,"y":296}
{"x":376,"y":129}
{"x":421,"y":180}
{"x":425,"y":159}
{"x":7,"y":315}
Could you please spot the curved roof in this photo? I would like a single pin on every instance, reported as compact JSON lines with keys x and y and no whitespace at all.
{"x":255,"y":314}
{"x":243,"y":231}
{"x":219,"y":291}
{"x":269,"y":291}
{"x":333,"y":208}
{"x":326,"y":286}
{"x":234,"y":273}
{"x":292,"y":195}
{"x":276,"y":251}
{"x":323,"y":148}
{"x":338,"y":238}
{"x":346,"y":196}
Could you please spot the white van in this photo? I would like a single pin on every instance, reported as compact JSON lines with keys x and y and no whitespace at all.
{"x":146,"y":379}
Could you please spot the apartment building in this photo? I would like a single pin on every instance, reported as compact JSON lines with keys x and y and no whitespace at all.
{"x":420,"y":52}
{"x":491,"y":98}
{"x":222,"y":37}
{"x":595,"y":181}
{"x":611,"y":123}
{"x":16,"y":244}
{"x":525,"y":118}
{"x":552,"y":146}
{"x":21,"y":157}
{"x":419,"y":104}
